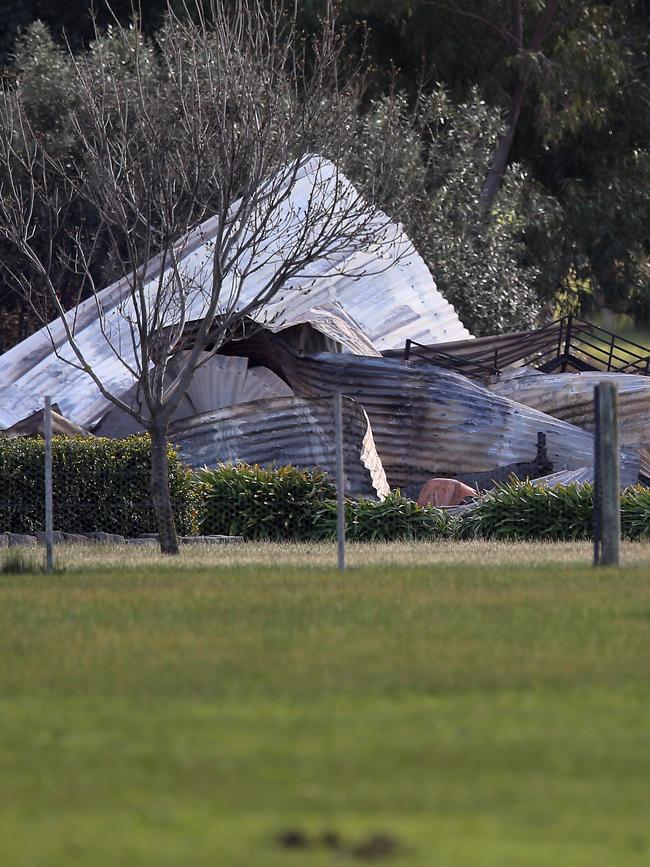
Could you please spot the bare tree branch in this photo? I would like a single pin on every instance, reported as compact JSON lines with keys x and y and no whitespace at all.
{"x":218,"y":120}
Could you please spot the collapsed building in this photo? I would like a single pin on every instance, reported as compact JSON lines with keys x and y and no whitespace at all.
{"x":422,"y":398}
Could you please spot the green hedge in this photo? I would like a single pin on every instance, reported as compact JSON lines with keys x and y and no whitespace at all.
{"x":521,"y":510}
{"x":395,"y":519}
{"x":103,"y":484}
{"x":260,"y":503}
{"x":98,"y":484}
{"x":299,"y":505}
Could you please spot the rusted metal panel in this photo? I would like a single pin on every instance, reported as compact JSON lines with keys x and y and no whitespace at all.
{"x":570,"y":397}
{"x":285,"y":430}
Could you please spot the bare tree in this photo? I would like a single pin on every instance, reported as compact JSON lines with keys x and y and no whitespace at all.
{"x":215,"y":120}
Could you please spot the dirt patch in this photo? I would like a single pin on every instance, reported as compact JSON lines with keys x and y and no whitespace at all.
{"x":375,"y":847}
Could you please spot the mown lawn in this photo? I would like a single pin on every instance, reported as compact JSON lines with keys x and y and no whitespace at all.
{"x":189,"y":716}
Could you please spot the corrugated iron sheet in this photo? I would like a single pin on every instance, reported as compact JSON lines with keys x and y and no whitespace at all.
{"x":570,"y":397}
{"x":285,"y":430}
{"x":368,"y":300}
{"x":35,"y":426}
{"x":584,"y":475}
{"x":430,"y":422}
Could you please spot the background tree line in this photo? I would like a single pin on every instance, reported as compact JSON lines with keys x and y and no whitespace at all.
{"x":510,"y":138}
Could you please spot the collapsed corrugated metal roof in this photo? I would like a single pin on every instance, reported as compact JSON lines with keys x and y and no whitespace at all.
{"x":570,"y":397}
{"x":34,"y":425}
{"x":431,"y":422}
{"x":368,"y":300}
{"x":583,"y":476}
{"x":285,"y":430}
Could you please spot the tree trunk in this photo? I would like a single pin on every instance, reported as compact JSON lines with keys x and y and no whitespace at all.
{"x":499,"y":163}
{"x":160,"y":488}
{"x":497,"y":169}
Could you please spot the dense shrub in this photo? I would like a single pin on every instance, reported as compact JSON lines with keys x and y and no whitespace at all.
{"x":260,"y":503}
{"x":635,"y":512}
{"x":521,"y":510}
{"x":426,"y":165}
{"x":98,"y":484}
{"x":396,"y":518}
{"x":299,"y":505}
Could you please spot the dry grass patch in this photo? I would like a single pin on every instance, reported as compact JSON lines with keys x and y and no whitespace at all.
{"x":323,"y":555}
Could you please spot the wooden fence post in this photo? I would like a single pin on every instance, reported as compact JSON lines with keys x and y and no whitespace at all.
{"x":596,"y":526}
{"x":607,"y":505}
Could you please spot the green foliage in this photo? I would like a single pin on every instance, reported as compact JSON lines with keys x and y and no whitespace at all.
{"x":299,"y":505}
{"x":520,"y":510}
{"x":260,"y":503}
{"x":395,"y":519}
{"x":98,"y":485}
{"x":635,"y":512}
{"x":71,"y":22}
{"x":582,"y":136}
{"x":426,"y":167}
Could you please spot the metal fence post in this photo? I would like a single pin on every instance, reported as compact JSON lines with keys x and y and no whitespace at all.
{"x":608,"y":480}
{"x":49,"y":517}
{"x":340,"y":478}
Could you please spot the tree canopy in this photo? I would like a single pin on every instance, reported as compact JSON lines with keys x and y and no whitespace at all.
{"x":564,"y":92}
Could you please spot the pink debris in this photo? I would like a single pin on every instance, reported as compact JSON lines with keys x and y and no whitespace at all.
{"x":444,"y":492}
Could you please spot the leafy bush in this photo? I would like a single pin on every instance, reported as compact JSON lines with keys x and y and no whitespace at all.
{"x":291,"y":504}
{"x":425,"y":164}
{"x":635,"y":512}
{"x":396,"y":518}
{"x":260,"y":503}
{"x":521,"y":510}
{"x":98,"y":484}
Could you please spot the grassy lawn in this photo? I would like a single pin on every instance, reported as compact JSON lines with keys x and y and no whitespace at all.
{"x":189,"y":713}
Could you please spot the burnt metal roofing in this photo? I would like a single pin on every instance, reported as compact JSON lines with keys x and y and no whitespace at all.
{"x":570,"y":397}
{"x":285,"y":430}
{"x":431,"y":422}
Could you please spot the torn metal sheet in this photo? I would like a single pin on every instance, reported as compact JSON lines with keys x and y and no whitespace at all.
{"x":367,"y":300}
{"x":34,"y":425}
{"x":570,"y":397}
{"x":285,"y":430}
{"x":582,"y":476}
{"x":220,"y":381}
{"x":430,"y":422}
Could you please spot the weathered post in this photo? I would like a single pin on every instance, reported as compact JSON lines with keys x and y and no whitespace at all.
{"x":49,"y":517}
{"x":608,"y":484}
{"x":340,"y":478}
{"x":596,"y":526}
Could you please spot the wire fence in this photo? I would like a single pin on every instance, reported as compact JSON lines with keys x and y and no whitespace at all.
{"x":76,"y":489}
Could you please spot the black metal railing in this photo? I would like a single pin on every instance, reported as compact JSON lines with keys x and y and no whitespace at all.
{"x":568,"y":344}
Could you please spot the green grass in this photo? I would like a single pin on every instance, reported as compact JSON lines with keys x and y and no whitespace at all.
{"x":187,"y":715}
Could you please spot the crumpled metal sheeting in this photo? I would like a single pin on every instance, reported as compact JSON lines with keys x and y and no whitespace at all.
{"x":365,"y":302}
{"x":285,"y":430}
{"x":570,"y":397}
{"x":35,"y":426}
{"x":430,"y":422}
{"x":582,"y":476}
